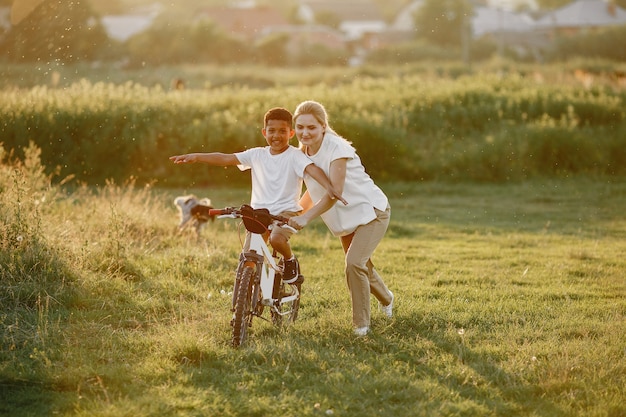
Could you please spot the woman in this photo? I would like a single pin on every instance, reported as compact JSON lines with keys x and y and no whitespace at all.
{"x":361,"y":224}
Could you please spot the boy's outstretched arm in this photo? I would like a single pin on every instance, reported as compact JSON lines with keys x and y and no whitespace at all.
{"x":213,"y":158}
{"x":318,"y":175}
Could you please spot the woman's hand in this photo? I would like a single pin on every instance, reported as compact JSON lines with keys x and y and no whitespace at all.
{"x":298,"y":222}
{"x":336,"y":195}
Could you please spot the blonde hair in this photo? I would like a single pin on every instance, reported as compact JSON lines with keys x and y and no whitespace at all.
{"x":316,"y":110}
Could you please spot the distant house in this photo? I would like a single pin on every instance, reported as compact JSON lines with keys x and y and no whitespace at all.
{"x":505,"y":27}
{"x":5,"y":18}
{"x":405,"y":19}
{"x":489,"y":20}
{"x":581,"y":15}
{"x":247,"y":22}
{"x":354,"y":18}
{"x":253,"y":23}
{"x":485,"y":21}
{"x":508,"y":29}
{"x":123,"y":27}
{"x":310,"y":35}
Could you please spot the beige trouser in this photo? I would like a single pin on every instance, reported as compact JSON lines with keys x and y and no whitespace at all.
{"x":361,"y":276}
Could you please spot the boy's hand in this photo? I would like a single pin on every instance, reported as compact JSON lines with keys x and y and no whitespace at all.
{"x":334,"y":195}
{"x":183,"y":159}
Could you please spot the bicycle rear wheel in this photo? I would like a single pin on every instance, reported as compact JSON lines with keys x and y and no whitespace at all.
{"x":242,"y":317}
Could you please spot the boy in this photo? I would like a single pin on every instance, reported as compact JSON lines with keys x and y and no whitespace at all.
{"x":277,"y":173}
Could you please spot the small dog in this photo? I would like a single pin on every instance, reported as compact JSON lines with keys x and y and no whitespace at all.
{"x":193,"y":210}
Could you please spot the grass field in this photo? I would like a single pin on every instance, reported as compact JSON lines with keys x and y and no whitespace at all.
{"x":510,"y":302}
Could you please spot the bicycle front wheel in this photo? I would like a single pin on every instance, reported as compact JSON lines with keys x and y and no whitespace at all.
{"x":242,"y":318}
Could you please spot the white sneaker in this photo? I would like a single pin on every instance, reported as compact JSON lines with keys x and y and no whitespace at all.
{"x":362,"y":331}
{"x":388,"y":309}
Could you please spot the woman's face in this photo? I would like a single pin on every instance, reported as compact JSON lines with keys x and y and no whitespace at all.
{"x":309,"y":131}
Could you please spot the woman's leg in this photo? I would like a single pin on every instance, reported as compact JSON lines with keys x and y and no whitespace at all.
{"x":361,"y":275}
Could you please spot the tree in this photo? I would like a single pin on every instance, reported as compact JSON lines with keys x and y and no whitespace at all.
{"x":199,"y":42}
{"x":57,"y":30}
{"x":108,"y":7}
{"x":443,"y":22}
{"x":327,"y":18}
{"x":272,"y":49}
{"x":555,"y":4}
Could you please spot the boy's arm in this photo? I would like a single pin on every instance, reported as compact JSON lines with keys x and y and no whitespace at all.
{"x":213,"y":158}
{"x":318,"y":175}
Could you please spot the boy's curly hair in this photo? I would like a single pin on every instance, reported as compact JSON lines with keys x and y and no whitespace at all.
{"x":278,"y":113}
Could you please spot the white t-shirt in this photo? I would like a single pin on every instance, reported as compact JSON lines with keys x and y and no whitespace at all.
{"x":359,"y":189}
{"x":276,"y":179}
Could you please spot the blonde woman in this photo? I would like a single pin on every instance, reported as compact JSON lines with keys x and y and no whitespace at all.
{"x":361,"y":224}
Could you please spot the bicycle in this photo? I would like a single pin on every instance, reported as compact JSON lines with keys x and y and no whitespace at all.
{"x":258,"y":281}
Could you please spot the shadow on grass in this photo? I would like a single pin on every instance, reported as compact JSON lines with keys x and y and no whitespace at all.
{"x":406,"y":367}
{"x":488,"y":383}
{"x":26,"y":398}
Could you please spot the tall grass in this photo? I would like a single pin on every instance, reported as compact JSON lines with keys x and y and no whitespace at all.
{"x":491,"y":126}
{"x":510,"y":302}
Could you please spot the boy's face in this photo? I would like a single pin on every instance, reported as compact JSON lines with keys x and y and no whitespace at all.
{"x":277,"y":134}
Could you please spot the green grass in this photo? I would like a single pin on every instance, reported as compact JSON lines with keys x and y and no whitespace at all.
{"x":510,"y":302}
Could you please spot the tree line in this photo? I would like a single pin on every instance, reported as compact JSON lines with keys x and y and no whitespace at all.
{"x":59,"y":31}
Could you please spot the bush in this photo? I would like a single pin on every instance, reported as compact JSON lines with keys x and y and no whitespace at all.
{"x":412,"y":52}
{"x":605,"y":43}
{"x":404,"y":127}
{"x":29,"y":267}
{"x":200,"y":42}
{"x":56,"y":31}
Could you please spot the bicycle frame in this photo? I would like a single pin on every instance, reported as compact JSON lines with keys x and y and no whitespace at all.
{"x":268,"y":269}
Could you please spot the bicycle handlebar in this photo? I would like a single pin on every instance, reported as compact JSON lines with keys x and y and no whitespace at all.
{"x":236,"y":213}
{"x":219,"y":212}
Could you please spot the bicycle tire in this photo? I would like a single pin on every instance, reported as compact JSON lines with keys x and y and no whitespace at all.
{"x":242,"y":317}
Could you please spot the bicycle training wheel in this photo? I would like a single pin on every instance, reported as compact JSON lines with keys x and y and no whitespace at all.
{"x":242,"y":318}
